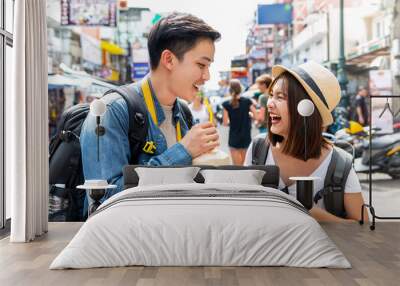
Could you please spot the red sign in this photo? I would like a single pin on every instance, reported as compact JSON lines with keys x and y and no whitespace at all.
{"x":239,"y":74}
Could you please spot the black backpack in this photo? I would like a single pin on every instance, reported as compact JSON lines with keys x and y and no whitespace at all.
{"x":335,"y":180}
{"x":65,"y":161}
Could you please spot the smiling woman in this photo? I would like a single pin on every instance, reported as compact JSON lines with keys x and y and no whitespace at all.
{"x":337,"y":193}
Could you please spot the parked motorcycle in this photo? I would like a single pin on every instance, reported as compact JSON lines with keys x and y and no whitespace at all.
{"x":385,"y":148}
{"x":356,"y":135}
{"x":351,"y":138}
{"x":344,"y":144}
{"x":385,"y":156}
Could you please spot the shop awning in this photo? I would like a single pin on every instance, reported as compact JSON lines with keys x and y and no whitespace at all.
{"x":365,"y":53}
{"x":78,"y":80}
{"x":112,"y":48}
{"x":57,"y":81}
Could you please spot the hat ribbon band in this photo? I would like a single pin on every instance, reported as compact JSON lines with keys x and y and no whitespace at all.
{"x":311,"y":83}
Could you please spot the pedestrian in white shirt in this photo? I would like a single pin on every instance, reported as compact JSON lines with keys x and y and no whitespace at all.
{"x":201,"y":112}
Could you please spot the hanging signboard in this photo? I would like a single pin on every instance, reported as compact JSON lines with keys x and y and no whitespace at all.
{"x":140,"y":70}
{"x":140,"y":55}
{"x":89,"y":12}
{"x":238,"y":63}
{"x":91,"y":51}
{"x":274,"y":14}
{"x":380,"y":83}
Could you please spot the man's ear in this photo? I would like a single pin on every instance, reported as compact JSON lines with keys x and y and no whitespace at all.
{"x":168,"y":59}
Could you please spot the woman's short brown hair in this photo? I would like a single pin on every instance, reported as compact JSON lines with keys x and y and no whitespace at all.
{"x":264,"y":79}
{"x":294,"y":144}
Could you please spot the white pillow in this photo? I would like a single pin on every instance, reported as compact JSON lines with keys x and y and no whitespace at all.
{"x":248,"y":177}
{"x":166,"y":176}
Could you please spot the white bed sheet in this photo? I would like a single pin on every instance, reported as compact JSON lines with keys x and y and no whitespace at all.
{"x":191,"y":231}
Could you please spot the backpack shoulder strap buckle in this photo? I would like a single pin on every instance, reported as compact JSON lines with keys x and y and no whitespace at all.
{"x":321,"y":193}
{"x":336,"y":188}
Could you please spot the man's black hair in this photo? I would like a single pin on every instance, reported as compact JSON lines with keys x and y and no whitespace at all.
{"x":177,"y":32}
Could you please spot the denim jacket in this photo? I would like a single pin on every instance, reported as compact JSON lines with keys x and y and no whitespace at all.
{"x":114,"y":144}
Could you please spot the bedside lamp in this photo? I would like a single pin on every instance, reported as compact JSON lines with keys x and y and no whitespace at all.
{"x":305,"y":185}
{"x":97,"y":188}
{"x":98,"y":108}
{"x":305,"y":108}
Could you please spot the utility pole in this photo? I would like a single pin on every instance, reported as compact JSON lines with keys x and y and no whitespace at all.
{"x":342,"y":77}
{"x":341,"y":113}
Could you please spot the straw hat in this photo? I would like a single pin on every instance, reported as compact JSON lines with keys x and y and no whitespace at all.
{"x":320,"y":84}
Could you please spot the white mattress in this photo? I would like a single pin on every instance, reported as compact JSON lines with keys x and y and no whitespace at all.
{"x":184,"y":230}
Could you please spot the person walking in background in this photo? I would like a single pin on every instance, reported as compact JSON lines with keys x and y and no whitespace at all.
{"x":201,"y":109}
{"x":236,"y":115}
{"x":263,"y":82}
{"x":362,"y":115}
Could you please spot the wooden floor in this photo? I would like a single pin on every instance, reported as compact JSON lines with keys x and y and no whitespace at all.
{"x":374,"y":255}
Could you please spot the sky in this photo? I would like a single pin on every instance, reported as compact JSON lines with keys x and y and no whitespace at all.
{"x":231,"y":18}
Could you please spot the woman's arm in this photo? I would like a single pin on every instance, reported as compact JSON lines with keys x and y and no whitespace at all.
{"x":322,"y":215}
{"x":352,"y":205}
{"x":360,"y":115}
{"x":225,"y":118}
{"x":253,"y":110}
{"x":353,"y":199}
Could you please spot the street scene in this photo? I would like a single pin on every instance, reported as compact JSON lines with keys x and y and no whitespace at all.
{"x":385,"y":190}
{"x":182,"y":142}
{"x":95,"y":47}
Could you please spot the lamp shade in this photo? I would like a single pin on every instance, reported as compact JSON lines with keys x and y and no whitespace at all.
{"x":98,"y":107}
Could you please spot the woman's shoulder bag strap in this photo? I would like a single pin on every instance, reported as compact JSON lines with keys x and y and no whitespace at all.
{"x":259,"y":151}
{"x":335,"y":182}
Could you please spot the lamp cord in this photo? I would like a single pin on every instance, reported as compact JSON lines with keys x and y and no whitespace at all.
{"x":98,"y":138}
{"x":305,"y":139}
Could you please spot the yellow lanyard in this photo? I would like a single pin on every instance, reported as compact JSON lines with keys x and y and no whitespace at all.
{"x":209,"y":109}
{"x":148,"y":99}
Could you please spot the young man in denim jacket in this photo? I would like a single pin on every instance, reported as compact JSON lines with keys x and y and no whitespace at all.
{"x":181,"y":49}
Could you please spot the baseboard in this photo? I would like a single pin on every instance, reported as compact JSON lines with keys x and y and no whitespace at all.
{"x":5,"y":231}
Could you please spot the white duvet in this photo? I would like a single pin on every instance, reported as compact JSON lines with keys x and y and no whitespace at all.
{"x":242,"y":226}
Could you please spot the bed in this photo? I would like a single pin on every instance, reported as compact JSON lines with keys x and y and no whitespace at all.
{"x":201,"y":223}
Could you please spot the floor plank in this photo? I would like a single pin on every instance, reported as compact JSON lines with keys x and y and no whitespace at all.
{"x":374,"y":255}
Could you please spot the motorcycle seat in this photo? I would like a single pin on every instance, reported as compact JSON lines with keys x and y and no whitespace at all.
{"x":385,"y":141}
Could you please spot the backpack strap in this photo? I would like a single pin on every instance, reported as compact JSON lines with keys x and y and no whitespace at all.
{"x":259,"y":151}
{"x":259,"y":157}
{"x":138,"y":121}
{"x":186,"y":113}
{"x":335,"y":182}
{"x":209,"y":109}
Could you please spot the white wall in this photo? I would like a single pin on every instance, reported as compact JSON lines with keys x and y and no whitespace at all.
{"x":354,"y":30}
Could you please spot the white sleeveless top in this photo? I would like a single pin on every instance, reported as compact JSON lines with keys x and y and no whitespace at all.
{"x":201,"y":115}
{"x":352,"y":183}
